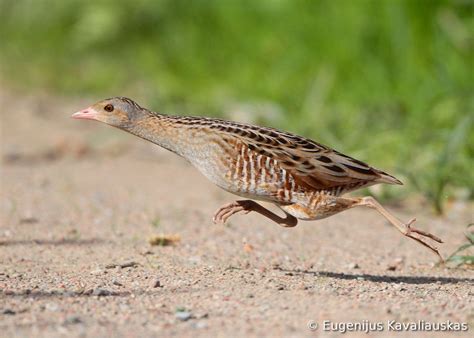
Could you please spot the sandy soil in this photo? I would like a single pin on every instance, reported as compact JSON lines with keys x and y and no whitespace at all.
{"x":80,"y":200}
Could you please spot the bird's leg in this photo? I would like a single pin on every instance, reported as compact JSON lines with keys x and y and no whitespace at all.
{"x":405,"y":229}
{"x":247,"y":206}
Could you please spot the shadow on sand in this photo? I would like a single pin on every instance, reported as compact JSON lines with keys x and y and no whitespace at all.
{"x":381,"y":278}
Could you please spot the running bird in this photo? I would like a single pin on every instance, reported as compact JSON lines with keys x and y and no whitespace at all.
{"x":303,"y":178}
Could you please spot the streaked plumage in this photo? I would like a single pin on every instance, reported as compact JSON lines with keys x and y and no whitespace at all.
{"x":304,"y":178}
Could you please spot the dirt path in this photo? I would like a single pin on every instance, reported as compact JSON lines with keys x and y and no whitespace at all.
{"x":79,"y":202}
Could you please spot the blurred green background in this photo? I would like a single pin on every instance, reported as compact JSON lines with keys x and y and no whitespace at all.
{"x":389,"y":82}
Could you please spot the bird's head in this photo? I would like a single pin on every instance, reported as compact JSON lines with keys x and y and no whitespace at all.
{"x":118,"y":112}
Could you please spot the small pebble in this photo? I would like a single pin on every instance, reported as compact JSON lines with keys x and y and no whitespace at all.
{"x":353,"y":266}
{"x":101,"y":292}
{"x":156,"y":284}
{"x":116,"y":282}
{"x":52,"y":307}
{"x":200,"y":325}
{"x":129,"y":265}
{"x":183,"y":315}
{"x":399,"y":287}
{"x":73,"y":320}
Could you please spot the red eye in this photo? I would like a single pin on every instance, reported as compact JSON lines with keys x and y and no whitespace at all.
{"x":109,"y":108}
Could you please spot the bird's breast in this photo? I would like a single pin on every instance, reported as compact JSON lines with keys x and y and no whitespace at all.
{"x":244,"y":172}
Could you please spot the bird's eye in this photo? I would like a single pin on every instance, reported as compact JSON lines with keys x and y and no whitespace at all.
{"x":109,"y":108}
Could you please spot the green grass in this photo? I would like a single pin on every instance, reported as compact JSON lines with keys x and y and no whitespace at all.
{"x":464,"y":259}
{"x":387,"y":81}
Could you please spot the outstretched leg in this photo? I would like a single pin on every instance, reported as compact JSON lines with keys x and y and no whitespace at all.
{"x":405,"y":229}
{"x":327,"y":205}
{"x":221,"y":215}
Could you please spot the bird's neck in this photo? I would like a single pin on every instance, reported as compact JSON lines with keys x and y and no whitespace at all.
{"x":162,"y":130}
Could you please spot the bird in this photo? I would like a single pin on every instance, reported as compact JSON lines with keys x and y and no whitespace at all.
{"x":304,"y":178}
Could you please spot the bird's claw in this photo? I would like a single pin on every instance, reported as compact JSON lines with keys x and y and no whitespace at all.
{"x":410,"y":231}
{"x":224,"y":212}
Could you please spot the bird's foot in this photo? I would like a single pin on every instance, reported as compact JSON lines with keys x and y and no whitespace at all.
{"x":411,"y":231}
{"x":224,"y":212}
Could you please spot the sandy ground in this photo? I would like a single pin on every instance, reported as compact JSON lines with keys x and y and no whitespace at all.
{"x":80,"y":201}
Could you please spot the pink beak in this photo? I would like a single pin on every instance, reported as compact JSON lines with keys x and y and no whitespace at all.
{"x":86,"y":114}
